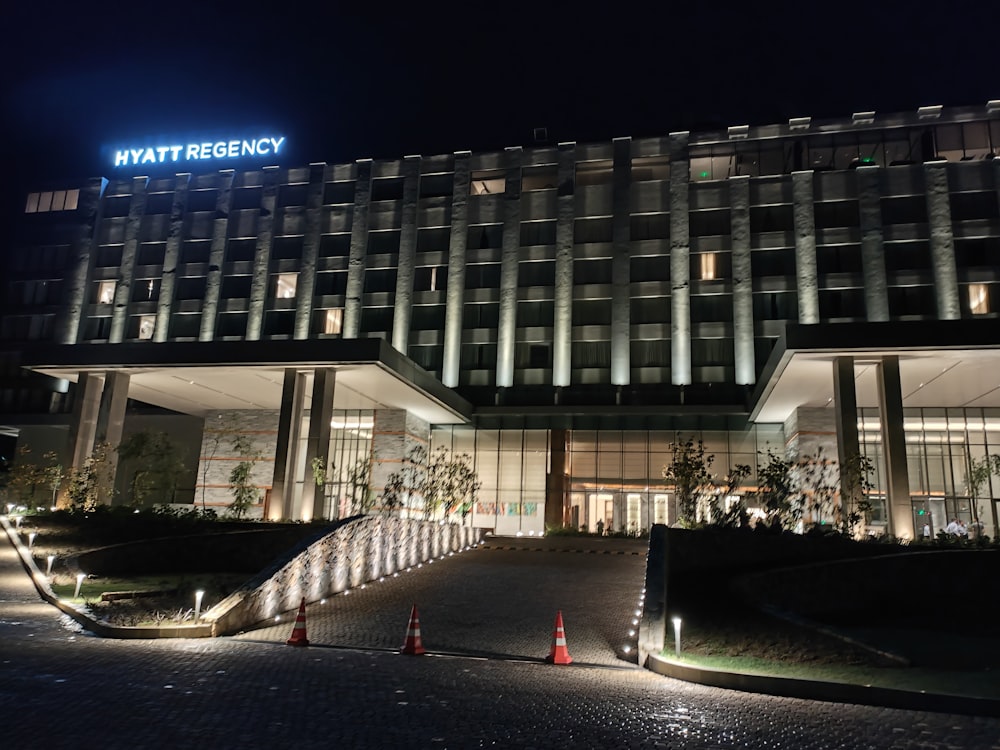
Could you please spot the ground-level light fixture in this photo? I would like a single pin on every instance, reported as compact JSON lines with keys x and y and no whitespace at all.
{"x":31,"y":539}
{"x":677,"y":635}
{"x":79,"y":583}
{"x":48,"y":567}
{"x":198,"y":596}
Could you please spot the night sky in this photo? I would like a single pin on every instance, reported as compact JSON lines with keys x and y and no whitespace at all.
{"x":369,"y":80}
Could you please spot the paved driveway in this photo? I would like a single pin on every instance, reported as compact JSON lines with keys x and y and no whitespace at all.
{"x":499,"y":599}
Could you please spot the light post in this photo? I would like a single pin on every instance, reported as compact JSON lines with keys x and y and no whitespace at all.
{"x":198,"y":596}
{"x":79,"y":583}
{"x":677,"y":636}
{"x":48,"y":567}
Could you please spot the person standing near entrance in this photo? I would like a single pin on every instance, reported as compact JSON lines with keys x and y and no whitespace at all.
{"x":600,"y":527}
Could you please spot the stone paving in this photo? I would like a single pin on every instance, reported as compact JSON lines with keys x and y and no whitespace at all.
{"x":61,"y":688}
{"x":499,"y":600}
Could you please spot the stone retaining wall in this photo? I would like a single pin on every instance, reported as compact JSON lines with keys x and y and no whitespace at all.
{"x":360,"y":551}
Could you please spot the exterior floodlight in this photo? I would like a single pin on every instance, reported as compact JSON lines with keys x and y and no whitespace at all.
{"x":79,"y":583}
{"x":198,"y":596}
{"x":48,"y":567}
{"x":677,"y":635}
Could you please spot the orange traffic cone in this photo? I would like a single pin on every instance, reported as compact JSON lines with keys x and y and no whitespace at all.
{"x":559,"y":653}
{"x":299,"y":631}
{"x":413,"y":645}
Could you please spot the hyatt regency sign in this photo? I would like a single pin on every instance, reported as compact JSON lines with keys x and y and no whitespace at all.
{"x":198,"y":152}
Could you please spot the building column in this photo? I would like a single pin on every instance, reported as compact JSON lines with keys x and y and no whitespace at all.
{"x":82,"y":250}
{"x":83,"y":423}
{"x":403,"y":307}
{"x":318,"y":441}
{"x":743,"y":342}
{"x":126,"y":271}
{"x":305,"y":284}
{"x":455,"y":295}
{"x":949,"y":306}
{"x":359,"y":249}
{"x":171,"y":257}
{"x":507,"y":328}
{"x":562,"y":325}
{"x":845,"y":401}
{"x":872,"y":250}
{"x":621,"y":338}
{"x":260,"y":285}
{"x":680,"y":261}
{"x":287,"y":447}
{"x":556,"y":496}
{"x":806,"y":275}
{"x":899,"y":509}
{"x":111,"y":421}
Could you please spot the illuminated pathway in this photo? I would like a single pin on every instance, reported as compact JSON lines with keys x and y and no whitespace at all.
{"x":62,"y":689}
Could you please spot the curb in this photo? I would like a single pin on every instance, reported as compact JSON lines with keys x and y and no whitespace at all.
{"x":97,"y":627}
{"x":836,"y":692}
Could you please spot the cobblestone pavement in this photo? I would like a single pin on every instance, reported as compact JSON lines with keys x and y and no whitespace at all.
{"x":61,"y":688}
{"x":499,"y":600}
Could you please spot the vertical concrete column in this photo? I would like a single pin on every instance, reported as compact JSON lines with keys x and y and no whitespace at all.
{"x":621,"y":337}
{"x":899,"y":512}
{"x":455,"y":295}
{"x":318,"y":441}
{"x":305,"y":285}
{"x":403,"y":309}
{"x":83,"y":422}
{"x":262,"y":256}
{"x":126,"y":271}
{"x":556,"y":497}
{"x":82,"y":260}
{"x":739,"y":218}
{"x":111,"y":421}
{"x":806,"y":275}
{"x":171,"y":256}
{"x":287,"y":445}
{"x":359,"y":249}
{"x":949,"y":306}
{"x":845,"y":400}
{"x":216,"y":259}
{"x":562,"y":330}
{"x":680,"y":261}
{"x":511,"y":243}
{"x":872,"y":250}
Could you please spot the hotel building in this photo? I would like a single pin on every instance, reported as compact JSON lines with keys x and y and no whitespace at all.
{"x":562,"y":313}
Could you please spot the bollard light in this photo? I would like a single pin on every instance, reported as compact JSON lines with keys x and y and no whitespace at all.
{"x":10,"y":507}
{"x":677,"y":636}
{"x":79,"y":583}
{"x":31,"y":539}
{"x":17,"y":521}
{"x":198,"y":596}
{"x":48,"y":568}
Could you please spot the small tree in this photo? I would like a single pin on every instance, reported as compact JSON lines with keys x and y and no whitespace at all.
{"x":451,"y":484}
{"x":978,"y":476}
{"x":245,"y":492}
{"x":736,"y":514}
{"x":223,"y":430}
{"x":855,"y":485}
{"x":403,"y":486}
{"x":92,"y":481}
{"x":154,"y":462}
{"x":688,"y":472}
{"x":359,"y":480}
{"x":774,"y":488}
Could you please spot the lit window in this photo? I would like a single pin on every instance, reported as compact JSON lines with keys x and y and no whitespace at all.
{"x":59,"y":200}
{"x":979,"y":299}
{"x":146,"y":325}
{"x":487,"y":183}
{"x":434,"y":278}
{"x":334,"y":321}
{"x":708,"y":269}
{"x":286,"y":285}
{"x":106,"y":292}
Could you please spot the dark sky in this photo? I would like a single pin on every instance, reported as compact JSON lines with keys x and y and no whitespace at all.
{"x":359,"y":79}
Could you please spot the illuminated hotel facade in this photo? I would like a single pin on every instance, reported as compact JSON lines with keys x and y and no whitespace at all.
{"x":562,"y":313}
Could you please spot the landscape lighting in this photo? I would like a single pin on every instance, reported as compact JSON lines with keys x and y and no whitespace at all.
{"x":677,"y":635}
{"x":48,"y":568}
{"x":198,"y":596}
{"x":79,"y":583}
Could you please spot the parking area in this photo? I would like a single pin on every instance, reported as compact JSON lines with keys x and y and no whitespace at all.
{"x":497,"y":600}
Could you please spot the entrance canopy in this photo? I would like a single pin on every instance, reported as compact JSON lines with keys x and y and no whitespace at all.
{"x":199,"y":378}
{"x":941,"y":364}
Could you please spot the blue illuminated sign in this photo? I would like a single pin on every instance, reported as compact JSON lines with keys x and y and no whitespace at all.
{"x":204,"y":151}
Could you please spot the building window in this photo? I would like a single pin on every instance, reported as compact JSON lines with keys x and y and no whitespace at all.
{"x":286,"y":285}
{"x":979,"y":299}
{"x":55,"y":200}
{"x":105,"y":292}
{"x":487,"y":183}
{"x":708,"y":266}
{"x":334,"y":321}
{"x":146,"y":325}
